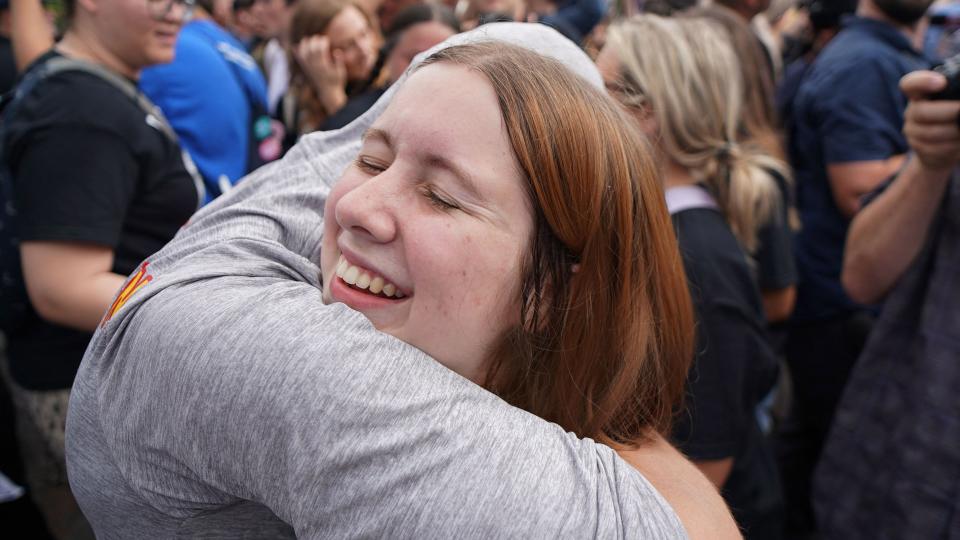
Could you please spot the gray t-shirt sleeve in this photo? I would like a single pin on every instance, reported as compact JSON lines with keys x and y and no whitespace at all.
{"x":248,"y":388}
{"x":225,"y":382}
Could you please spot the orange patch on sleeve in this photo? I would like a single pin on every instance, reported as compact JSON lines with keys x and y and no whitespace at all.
{"x":133,"y":285}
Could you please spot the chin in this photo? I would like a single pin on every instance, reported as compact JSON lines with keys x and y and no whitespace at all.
{"x":161,"y":55}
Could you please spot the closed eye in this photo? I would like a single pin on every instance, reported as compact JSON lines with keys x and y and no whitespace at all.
{"x":369,"y":166}
{"x":436,"y":200}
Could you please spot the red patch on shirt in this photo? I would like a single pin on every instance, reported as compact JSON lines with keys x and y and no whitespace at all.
{"x":133,"y":285}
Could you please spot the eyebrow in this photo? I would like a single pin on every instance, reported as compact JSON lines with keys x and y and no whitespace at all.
{"x":431,"y":160}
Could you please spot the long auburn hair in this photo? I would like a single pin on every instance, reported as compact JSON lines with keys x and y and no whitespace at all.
{"x":686,"y":72}
{"x":607,"y":332}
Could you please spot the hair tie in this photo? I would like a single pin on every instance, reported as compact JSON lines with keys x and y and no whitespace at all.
{"x":725,"y":152}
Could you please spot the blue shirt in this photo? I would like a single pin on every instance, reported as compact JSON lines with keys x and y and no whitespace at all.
{"x":205,"y":94}
{"x":849,"y":108}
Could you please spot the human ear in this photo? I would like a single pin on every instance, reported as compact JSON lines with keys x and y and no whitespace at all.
{"x":93,"y":6}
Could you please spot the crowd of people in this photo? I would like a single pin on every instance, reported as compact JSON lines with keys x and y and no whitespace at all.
{"x":329,"y":268}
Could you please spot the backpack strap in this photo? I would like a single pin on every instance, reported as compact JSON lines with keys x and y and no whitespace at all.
{"x":680,"y":198}
{"x":154,"y":114}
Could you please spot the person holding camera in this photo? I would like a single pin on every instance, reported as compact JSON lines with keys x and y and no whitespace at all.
{"x":845,"y":140}
{"x":890,"y":466}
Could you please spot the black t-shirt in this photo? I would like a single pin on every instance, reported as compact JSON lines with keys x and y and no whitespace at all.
{"x":8,"y":68}
{"x":355,"y":107}
{"x":88,"y":167}
{"x":734,"y":368}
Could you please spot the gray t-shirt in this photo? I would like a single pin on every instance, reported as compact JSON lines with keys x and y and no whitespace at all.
{"x":224,"y":399}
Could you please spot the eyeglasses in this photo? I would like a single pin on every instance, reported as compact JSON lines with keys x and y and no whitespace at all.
{"x":627,"y":94}
{"x":159,"y":9}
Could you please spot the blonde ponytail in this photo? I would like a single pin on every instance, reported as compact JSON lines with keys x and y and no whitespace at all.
{"x":746,"y":190}
{"x":686,"y":71}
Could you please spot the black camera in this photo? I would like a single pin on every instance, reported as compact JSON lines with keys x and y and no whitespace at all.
{"x":950,"y":68}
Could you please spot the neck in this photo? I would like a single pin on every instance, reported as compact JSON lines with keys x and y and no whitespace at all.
{"x":82,"y":45}
{"x":200,"y":14}
{"x":675,"y":175}
{"x":868,"y":10}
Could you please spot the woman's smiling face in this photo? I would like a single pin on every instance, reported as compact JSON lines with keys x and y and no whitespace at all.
{"x":425,"y":232}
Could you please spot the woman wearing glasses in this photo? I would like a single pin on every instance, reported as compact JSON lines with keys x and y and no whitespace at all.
{"x":98,"y":183}
{"x":333,"y":51}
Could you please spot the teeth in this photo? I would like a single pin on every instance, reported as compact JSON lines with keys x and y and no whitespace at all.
{"x":362,"y":279}
{"x":351,"y":275}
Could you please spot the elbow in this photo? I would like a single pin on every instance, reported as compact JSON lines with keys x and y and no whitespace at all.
{"x":849,"y":205}
{"x":857,"y":281}
{"x":859,"y":275}
{"x":778,"y":304}
{"x":46,"y":305}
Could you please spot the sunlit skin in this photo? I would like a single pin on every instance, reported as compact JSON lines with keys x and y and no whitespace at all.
{"x":435,"y":204}
{"x":350,"y":34}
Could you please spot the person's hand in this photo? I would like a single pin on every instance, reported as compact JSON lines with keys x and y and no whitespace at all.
{"x":932,"y":128}
{"x":326,"y":69}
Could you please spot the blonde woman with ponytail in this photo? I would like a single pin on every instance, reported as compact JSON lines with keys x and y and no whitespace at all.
{"x":680,"y":80}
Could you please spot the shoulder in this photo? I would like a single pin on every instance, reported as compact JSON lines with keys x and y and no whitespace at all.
{"x":855,"y":62}
{"x":712,"y":258}
{"x":77,"y":100}
{"x":703,"y":234}
{"x":694,"y":498}
{"x":77,"y":96}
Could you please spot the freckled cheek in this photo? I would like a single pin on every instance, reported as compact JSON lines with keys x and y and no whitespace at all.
{"x":488,"y":279}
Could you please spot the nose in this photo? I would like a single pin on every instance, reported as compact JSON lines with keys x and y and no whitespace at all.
{"x":367,"y":210}
{"x":179,"y":11}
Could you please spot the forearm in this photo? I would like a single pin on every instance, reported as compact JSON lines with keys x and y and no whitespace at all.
{"x":887,"y":235}
{"x":80,"y":305}
{"x":31,"y":34}
{"x":333,"y":99}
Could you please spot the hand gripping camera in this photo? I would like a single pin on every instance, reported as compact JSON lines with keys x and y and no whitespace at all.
{"x":950,"y":68}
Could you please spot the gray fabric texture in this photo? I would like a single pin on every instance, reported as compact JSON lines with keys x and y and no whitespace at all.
{"x":891,"y":466}
{"x":225,"y":400}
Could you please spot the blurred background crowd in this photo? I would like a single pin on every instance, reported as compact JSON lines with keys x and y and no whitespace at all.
{"x":788,"y":114}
